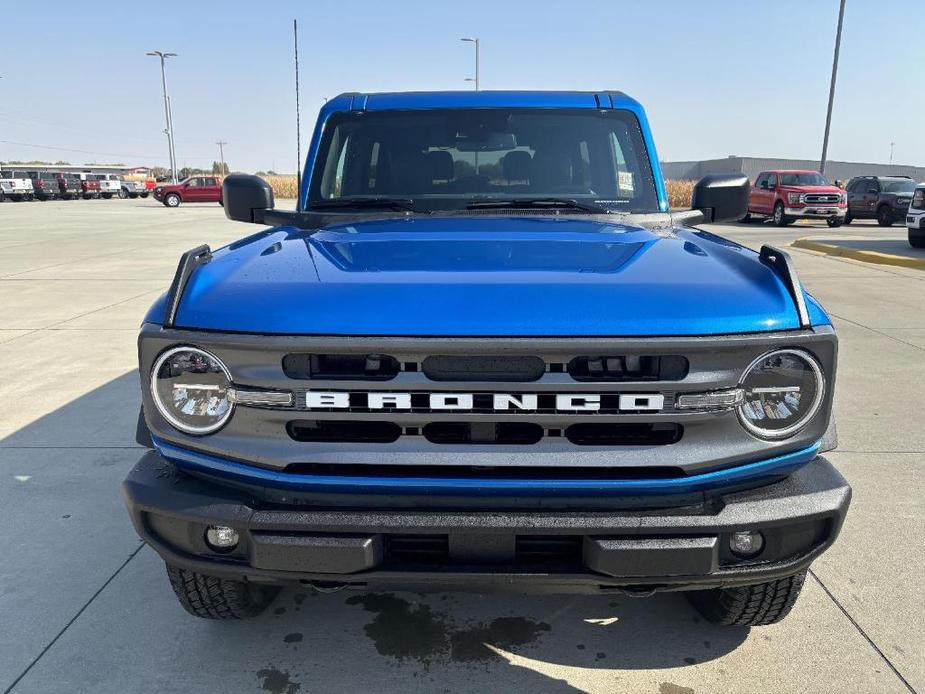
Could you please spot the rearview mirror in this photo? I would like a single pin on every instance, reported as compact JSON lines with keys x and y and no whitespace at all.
{"x":722,"y":197}
{"x":246,"y":198}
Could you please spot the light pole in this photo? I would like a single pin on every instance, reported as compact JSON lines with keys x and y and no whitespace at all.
{"x":169,"y":131}
{"x":472,"y":39}
{"x":892,"y":145}
{"x":828,"y":113}
{"x":221,"y":153}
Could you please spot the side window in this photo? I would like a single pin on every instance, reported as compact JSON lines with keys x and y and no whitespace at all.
{"x":210,"y":182}
{"x":194,"y":182}
{"x":762,"y":178}
{"x":874,"y":185}
{"x":772,"y":180}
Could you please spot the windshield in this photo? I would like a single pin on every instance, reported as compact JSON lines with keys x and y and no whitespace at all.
{"x":449,"y":159}
{"x":802,"y":179}
{"x":905,"y":185}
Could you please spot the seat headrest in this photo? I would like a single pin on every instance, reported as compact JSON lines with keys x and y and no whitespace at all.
{"x":517,"y":165}
{"x":440,"y":166}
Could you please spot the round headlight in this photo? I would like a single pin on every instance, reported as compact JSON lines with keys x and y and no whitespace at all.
{"x":783,"y":391}
{"x":191,"y":390}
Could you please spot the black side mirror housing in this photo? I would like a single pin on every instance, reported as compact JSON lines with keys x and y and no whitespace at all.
{"x":246,"y":198}
{"x":722,"y":197}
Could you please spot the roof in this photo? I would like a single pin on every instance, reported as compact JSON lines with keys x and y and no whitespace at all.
{"x":482,"y":99}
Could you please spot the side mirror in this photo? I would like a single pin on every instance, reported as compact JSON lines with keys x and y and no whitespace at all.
{"x":246,"y":198}
{"x":722,"y":197}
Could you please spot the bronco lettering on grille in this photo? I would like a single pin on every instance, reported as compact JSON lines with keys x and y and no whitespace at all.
{"x":500,"y":402}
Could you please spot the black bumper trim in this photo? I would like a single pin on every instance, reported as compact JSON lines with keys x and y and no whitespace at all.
{"x":637,"y":548}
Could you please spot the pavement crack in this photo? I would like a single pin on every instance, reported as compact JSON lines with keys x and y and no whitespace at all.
{"x":873,"y":330}
{"x":863,"y":633}
{"x":73,"y":619}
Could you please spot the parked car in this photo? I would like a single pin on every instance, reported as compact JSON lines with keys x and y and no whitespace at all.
{"x":110,"y":184}
{"x":68,"y":185}
{"x":884,"y":198}
{"x":915,"y":217}
{"x":15,"y":185}
{"x":89,"y":185}
{"x":133,"y":188}
{"x":536,"y":379}
{"x":192,"y":189}
{"x":45,"y":184}
{"x":788,"y":195}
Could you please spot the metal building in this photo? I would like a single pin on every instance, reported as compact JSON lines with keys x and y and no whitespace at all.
{"x":752,"y":166}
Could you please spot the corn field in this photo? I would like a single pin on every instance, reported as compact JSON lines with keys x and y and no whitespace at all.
{"x":679,"y":192}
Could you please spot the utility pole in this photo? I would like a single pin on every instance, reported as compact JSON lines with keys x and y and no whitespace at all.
{"x":892,"y":145}
{"x":473,"y":39}
{"x":828,"y":113}
{"x":298,"y":133}
{"x":221,"y":153}
{"x":167,"y":112}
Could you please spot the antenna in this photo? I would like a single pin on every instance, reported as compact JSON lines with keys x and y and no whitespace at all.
{"x":298,"y":134}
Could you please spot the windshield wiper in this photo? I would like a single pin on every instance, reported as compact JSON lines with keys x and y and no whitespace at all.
{"x":366,"y":203}
{"x":528,"y":203}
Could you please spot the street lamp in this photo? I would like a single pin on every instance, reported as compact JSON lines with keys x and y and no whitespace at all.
{"x":472,"y":39}
{"x":828,"y":113}
{"x":169,"y":131}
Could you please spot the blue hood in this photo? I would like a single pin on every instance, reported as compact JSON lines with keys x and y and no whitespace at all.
{"x":491,"y":276}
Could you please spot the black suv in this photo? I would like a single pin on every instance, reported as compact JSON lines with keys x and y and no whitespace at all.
{"x":884,"y":198}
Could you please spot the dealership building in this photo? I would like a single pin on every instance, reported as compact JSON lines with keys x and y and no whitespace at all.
{"x":752,"y":166}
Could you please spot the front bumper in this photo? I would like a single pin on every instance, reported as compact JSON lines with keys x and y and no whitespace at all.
{"x":916,"y":220}
{"x":667,"y":543}
{"x":816,"y":212}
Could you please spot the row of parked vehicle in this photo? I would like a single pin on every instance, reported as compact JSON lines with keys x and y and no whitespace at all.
{"x":785,"y":196}
{"x":54,"y":185}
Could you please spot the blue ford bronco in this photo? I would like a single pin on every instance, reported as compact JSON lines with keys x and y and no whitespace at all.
{"x":483,"y":353}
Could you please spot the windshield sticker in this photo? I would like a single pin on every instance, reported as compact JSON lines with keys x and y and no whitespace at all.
{"x":625,"y":181}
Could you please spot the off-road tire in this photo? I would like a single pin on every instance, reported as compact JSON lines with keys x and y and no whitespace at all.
{"x":885,"y":217}
{"x":749,"y":606}
{"x":172,"y":200}
{"x":211,"y":597}
{"x":916,"y":238}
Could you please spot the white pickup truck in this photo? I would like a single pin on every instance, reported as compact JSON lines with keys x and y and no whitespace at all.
{"x":110,"y":184}
{"x":15,"y":185}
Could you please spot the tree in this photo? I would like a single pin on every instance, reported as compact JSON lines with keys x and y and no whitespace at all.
{"x":217,"y":168}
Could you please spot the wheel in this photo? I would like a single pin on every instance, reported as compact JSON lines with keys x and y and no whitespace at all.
{"x":848,"y":218}
{"x":172,"y":200}
{"x":133,"y":195}
{"x":106,"y":196}
{"x":884,"y":216}
{"x":123,"y":193}
{"x":2,"y":196}
{"x":779,"y":218}
{"x":746,"y":219}
{"x":144,"y":195}
{"x":29,"y":198}
{"x":834,"y":222}
{"x":749,"y":606}
{"x":211,"y":597}
{"x":917,"y":238}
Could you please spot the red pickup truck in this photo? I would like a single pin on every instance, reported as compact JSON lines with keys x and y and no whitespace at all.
{"x":786,"y":196}
{"x":89,"y":186}
{"x":192,"y":189}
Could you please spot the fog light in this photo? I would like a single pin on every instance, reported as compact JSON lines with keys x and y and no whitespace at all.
{"x":221,"y":538}
{"x":746,"y":543}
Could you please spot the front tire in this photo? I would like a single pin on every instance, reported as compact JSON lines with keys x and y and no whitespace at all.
{"x":749,"y":606}
{"x":834,"y":222}
{"x":211,"y":597}
{"x":885,"y":216}
{"x":106,"y":196}
{"x":172,"y":200}
{"x":780,"y":219}
{"x":916,"y":238}
{"x":144,"y":195}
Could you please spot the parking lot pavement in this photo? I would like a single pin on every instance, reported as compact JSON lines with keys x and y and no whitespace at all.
{"x":85,"y":607}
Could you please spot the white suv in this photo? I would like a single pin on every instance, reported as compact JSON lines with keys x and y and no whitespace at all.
{"x":915,"y":218}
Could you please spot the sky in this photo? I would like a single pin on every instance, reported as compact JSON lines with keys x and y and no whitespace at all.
{"x":717,"y":77}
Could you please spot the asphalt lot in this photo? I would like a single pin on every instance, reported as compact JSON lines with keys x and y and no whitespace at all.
{"x":84,"y":607}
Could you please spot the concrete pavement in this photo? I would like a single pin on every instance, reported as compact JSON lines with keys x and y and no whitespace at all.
{"x":85,"y":607}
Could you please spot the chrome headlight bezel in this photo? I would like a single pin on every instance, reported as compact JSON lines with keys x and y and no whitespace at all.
{"x":166,"y":412}
{"x":815,"y":406}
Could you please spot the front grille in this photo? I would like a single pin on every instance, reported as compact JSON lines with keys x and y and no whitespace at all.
{"x":828,"y":198}
{"x":483,"y":368}
{"x":341,"y":367}
{"x":343,"y":431}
